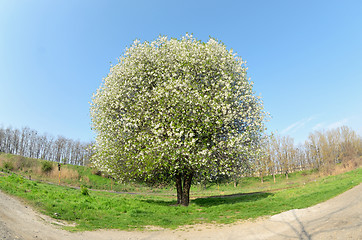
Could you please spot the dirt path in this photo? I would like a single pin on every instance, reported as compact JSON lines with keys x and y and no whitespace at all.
{"x":338,"y":218}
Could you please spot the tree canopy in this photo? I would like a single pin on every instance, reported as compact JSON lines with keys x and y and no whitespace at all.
{"x":173,"y":109}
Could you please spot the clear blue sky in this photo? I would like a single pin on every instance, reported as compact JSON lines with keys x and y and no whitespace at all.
{"x":305,"y":57}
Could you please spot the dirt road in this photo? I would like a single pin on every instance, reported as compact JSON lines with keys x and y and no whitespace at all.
{"x":338,"y":218}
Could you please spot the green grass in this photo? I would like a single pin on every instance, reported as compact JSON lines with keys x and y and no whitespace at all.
{"x":103,"y":210}
{"x":33,"y":168}
{"x":85,"y":177}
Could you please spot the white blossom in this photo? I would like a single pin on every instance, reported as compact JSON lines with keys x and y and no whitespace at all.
{"x":175,"y":104}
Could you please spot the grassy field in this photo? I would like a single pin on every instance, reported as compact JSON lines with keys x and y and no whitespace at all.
{"x":156,"y":207}
{"x":77,"y":176}
{"x":70,"y":175}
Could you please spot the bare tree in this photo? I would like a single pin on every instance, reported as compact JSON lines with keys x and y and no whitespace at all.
{"x":29,"y":143}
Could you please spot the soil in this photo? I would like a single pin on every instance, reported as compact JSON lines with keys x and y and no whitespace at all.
{"x":337,"y":218}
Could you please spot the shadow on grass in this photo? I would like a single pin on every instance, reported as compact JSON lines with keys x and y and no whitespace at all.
{"x":217,"y":200}
{"x":231,"y":199}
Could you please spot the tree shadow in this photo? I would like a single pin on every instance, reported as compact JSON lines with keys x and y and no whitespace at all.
{"x":216,"y":200}
{"x":231,"y":199}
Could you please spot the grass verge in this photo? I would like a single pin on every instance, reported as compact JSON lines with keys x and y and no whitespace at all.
{"x":102,"y":210}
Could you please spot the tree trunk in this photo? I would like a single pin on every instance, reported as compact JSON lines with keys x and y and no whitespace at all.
{"x":186,"y":189}
{"x":261,"y":177}
{"x":183,"y":188}
{"x":179,"y":188}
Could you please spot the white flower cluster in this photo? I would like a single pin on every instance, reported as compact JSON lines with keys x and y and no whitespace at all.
{"x":175,"y":104}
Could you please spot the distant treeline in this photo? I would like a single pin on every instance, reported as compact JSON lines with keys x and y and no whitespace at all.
{"x":322,"y":150}
{"x":29,"y":143}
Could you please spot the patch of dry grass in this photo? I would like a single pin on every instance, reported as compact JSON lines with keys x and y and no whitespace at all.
{"x":65,"y":173}
{"x":347,"y":164}
{"x":33,"y":168}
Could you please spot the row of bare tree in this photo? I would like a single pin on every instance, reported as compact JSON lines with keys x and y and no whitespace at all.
{"x":29,"y":143}
{"x":322,"y":150}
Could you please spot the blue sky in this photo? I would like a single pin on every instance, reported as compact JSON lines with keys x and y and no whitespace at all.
{"x":304,"y":57}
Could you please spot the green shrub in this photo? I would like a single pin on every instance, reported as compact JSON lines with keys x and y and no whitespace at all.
{"x":96,"y":172}
{"x":9,"y":166}
{"x":46,"y":167}
{"x":84,"y":190}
